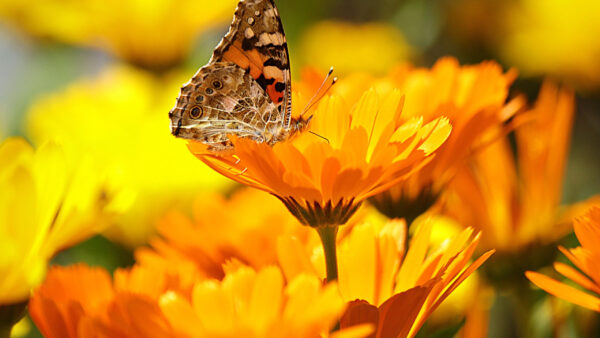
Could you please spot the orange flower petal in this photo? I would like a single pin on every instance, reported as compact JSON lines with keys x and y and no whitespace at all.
{"x":564,"y":291}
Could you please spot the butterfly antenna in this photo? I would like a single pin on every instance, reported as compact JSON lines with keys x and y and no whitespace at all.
{"x":318,"y":95}
{"x":321,"y":136}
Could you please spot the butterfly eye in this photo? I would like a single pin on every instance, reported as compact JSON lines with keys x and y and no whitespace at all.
{"x":199,"y":98}
{"x":196,"y":112}
{"x":209,"y":91}
{"x":217,"y":84}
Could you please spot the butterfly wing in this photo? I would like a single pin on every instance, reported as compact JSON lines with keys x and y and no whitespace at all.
{"x":257,"y":44}
{"x":223,"y":99}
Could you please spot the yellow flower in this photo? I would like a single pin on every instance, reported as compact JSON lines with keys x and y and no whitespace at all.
{"x":46,"y":205}
{"x":118,"y":119}
{"x":154,"y":34}
{"x":350,"y":47}
{"x":515,"y":210}
{"x":381,"y":281}
{"x":322,"y":182}
{"x":586,"y":258}
{"x":537,"y":34}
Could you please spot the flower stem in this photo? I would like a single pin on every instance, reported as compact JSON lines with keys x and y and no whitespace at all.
{"x":328,"y":236}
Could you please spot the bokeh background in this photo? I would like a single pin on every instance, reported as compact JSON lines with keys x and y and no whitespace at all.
{"x":101,"y":76}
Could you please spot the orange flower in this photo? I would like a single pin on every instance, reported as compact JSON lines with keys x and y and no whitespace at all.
{"x":585,"y":257}
{"x":243,"y":227}
{"x":394,"y":291}
{"x":250,"y":303}
{"x":517,"y":206}
{"x":322,"y":182}
{"x":474,"y":100}
{"x":80,"y":301}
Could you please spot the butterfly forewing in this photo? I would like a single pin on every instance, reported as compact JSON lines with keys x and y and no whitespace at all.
{"x":256,"y":42}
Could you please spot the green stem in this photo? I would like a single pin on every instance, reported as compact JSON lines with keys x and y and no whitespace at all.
{"x":328,"y":235}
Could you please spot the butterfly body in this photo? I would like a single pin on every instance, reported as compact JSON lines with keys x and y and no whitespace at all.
{"x":245,"y":89}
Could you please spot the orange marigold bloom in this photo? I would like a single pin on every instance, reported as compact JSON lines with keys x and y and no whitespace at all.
{"x":585,"y":257}
{"x":250,"y":303}
{"x":516,"y":205}
{"x":473,"y":98}
{"x":394,"y":291}
{"x":79,"y":301}
{"x":368,"y":148}
{"x":217,"y":233}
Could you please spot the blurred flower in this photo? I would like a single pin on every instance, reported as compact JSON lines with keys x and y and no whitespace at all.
{"x":263,"y":306}
{"x":394,"y":291}
{"x":158,"y":34}
{"x":80,"y":301}
{"x":46,"y":205}
{"x":538,"y":36}
{"x":473,"y":98}
{"x":244,"y":227}
{"x":118,"y":119}
{"x":371,"y":47}
{"x":515,"y":210}
{"x":585,"y":257}
{"x":322,"y":182}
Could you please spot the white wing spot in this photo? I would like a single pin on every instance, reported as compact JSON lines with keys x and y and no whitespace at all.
{"x":248,"y":33}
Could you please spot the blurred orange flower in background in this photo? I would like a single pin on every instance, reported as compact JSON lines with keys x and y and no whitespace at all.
{"x":473,"y":98}
{"x":516,"y":205}
{"x":246,"y":303}
{"x":243,"y":227}
{"x":80,"y":301}
{"x":586,"y":258}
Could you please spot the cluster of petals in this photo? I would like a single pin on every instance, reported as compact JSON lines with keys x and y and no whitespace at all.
{"x":249,"y":223}
{"x":586,"y":258}
{"x":394,"y":290}
{"x":473,"y":98}
{"x":362,"y":150}
{"x":141,"y":303}
{"x":517,"y":204}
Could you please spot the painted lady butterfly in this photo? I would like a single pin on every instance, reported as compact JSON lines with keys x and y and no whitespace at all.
{"x":245,"y":89}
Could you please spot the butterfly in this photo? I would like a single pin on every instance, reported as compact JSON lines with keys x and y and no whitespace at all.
{"x":245,"y":89}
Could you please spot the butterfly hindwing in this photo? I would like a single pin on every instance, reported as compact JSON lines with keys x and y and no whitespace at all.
{"x":220,"y":100}
{"x":256,"y":42}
